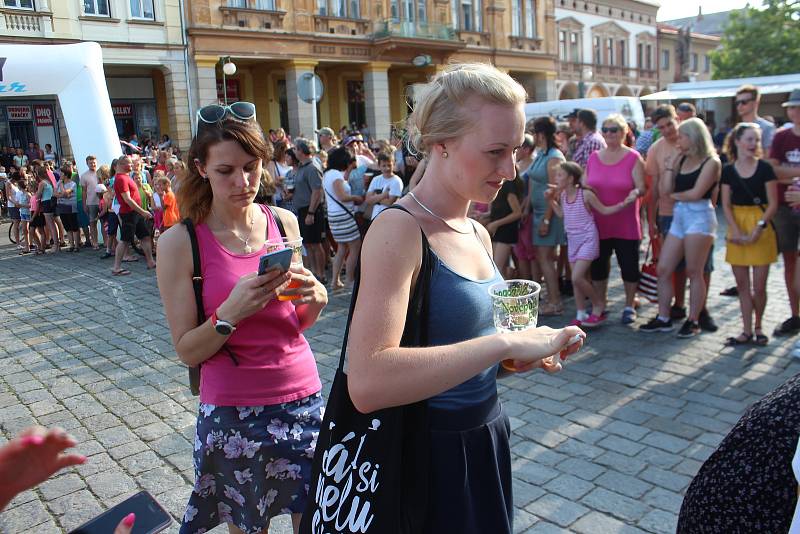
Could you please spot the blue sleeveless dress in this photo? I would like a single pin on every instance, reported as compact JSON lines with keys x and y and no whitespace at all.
{"x":470,"y":467}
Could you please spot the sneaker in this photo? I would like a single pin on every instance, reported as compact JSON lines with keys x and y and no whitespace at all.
{"x":788,"y":327}
{"x":689,"y":329}
{"x":657,"y":325}
{"x":676,"y":313}
{"x":706,"y":322}
{"x":593,"y":321}
{"x":628,"y":316}
{"x":575,"y":322}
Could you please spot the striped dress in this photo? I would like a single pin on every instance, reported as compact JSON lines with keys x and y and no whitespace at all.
{"x":340,"y":219}
{"x":582,"y":238}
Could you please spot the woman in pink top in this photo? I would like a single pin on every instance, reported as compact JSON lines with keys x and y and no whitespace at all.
{"x":613,"y":173}
{"x":260,"y":406}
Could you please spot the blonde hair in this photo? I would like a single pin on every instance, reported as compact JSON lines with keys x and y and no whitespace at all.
{"x":440,"y":112}
{"x":103,"y":173}
{"x":701,"y":143}
{"x":619,"y":120}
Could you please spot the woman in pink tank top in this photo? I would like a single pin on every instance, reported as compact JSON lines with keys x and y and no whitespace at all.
{"x":613,"y":173}
{"x":260,"y":402}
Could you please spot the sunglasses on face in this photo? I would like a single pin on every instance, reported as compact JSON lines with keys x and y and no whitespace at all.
{"x":214,"y":113}
{"x":611,"y":129}
{"x":743,"y":102}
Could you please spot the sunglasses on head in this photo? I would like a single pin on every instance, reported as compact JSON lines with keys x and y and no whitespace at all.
{"x":214,"y":113}
{"x":743,"y":102}
{"x":610,"y":129}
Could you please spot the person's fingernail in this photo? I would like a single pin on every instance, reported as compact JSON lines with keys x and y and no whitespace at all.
{"x":129,"y":520}
{"x":82,"y":459}
{"x":33,"y":440}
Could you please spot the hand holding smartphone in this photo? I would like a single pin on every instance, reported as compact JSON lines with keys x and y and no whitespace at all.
{"x":281,"y":259}
{"x":150,"y":517}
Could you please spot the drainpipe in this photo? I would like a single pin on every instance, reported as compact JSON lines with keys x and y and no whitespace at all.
{"x":185,"y":45}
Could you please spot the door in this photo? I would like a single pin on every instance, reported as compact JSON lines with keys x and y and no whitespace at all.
{"x":21,"y":134}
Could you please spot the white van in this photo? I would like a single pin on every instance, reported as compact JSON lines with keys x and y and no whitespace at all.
{"x":628,"y":106}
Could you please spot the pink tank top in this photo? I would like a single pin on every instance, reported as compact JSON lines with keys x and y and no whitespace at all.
{"x":612,"y":183}
{"x":578,"y":219}
{"x":275,"y":361}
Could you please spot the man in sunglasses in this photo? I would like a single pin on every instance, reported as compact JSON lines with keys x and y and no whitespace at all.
{"x":747,"y":101}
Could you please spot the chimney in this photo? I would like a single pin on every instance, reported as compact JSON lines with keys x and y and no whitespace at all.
{"x":699,"y":13}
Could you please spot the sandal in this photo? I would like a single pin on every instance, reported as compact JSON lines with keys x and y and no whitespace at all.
{"x":121,"y":272}
{"x":736,"y":341}
{"x":551,"y":310}
{"x":760,"y":339}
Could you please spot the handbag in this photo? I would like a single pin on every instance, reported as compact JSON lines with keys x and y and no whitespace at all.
{"x":197,"y":285}
{"x":648,"y":280}
{"x":370,"y":470}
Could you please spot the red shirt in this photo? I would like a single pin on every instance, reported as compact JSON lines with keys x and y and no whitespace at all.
{"x":160,"y":168}
{"x":122,"y":183}
{"x":786,"y":149}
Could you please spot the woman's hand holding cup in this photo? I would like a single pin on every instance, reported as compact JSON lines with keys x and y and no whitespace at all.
{"x":307,"y":290}
{"x":252,"y":293}
{"x":544,"y":347}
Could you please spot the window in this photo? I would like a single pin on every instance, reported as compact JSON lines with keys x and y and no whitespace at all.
{"x":142,"y":9}
{"x":523,"y":18}
{"x":516,"y":25}
{"x":648,"y":57}
{"x":665,"y":60}
{"x":693,"y":68}
{"x":335,"y":8}
{"x":266,"y":5}
{"x":394,"y":9}
{"x":468,"y":14}
{"x":19,"y":4}
{"x":408,"y":10}
{"x":422,"y":10}
{"x":96,"y":7}
{"x":574,"y":48}
{"x":706,"y":63}
{"x":562,"y":45}
{"x":530,"y":19}
{"x":597,"y":51}
{"x":609,"y":51}
{"x":640,"y":55}
{"x":621,"y":55}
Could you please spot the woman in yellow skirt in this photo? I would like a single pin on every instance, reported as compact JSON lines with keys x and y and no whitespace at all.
{"x":749,"y":200}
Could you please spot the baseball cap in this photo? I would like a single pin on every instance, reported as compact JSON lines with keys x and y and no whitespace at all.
{"x":352,"y":139}
{"x":325,"y":131}
{"x":573,"y":114}
{"x":100,"y":188}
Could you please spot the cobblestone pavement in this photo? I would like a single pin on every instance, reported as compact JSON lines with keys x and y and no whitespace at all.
{"x":608,"y":445}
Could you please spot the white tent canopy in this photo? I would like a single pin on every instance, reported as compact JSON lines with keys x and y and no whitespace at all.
{"x":74,"y":73}
{"x":726,"y":88}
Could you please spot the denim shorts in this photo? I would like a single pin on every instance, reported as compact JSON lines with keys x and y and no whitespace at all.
{"x":664,"y":224}
{"x":697,"y":217}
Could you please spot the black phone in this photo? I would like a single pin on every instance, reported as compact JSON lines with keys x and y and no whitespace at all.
{"x":281,"y":259}
{"x":150,"y":517}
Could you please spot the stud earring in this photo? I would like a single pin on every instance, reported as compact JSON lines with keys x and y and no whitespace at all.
{"x":445,"y":154}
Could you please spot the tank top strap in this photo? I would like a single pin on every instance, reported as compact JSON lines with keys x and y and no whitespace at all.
{"x":483,"y":245}
{"x":272,"y":226}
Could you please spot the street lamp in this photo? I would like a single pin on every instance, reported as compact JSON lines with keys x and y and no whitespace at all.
{"x":228,"y":69}
{"x":586,"y":74}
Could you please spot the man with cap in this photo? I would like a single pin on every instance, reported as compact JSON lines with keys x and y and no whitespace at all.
{"x":358,"y":149}
{"x":685,"y":110}
{"x":326,"y":141}
{"x":784,"y":154}
{"x":572,"y":120}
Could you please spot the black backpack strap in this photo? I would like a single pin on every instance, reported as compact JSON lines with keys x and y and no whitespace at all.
{"x":197,"y":273}
{"x":278,"y":221}
{"x":415,"y":332}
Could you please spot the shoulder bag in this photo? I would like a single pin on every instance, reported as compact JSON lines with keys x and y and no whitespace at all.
{"x":197,"y":285}
{"x":370,"y":470}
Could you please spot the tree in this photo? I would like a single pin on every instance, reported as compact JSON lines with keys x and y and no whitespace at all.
{"x":760,"y":42}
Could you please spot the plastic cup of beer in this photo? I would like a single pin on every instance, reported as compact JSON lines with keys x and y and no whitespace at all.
{"x":296,"y":245}
{"x":515,"y":306}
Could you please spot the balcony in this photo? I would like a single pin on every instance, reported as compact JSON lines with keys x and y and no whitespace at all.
{"x":25,"y":23}
{"x":410,"y":30}
{"x":254,"y":14}
{"x":475,"y":38}
{"x":341,"y":25}
{"x":600,"y":73}
{"x":647,"y":75}
{"x":526,"y":44}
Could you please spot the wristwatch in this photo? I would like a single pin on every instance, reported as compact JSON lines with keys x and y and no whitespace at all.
{"x":546,"y":221}
{"x":223,"y":328}
{"x":762,"y":223}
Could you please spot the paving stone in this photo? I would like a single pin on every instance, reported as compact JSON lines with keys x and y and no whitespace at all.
{"x":24,"y":517}
{"x":115,"y":436}
{"x":128,"y":449}
{"x":569,"y":487}
{"x":623,"y":484}
{"x":597,"y":523}
{"x":581,"y":468}
{"x":525,"y":493}
{"x":659,"y":521}
{"x":620,"y":445}
{"x":666,"y":442}
{"x":664,"y":500}
{"x":531,"y":472}
{"x":620,"y":462}
{"x":75,"y":509}
{"x":139,"y":463}
{"x":60,"y":486}
{"x":557,"y":509}
{"x":111,"y":483}
{"x":666,"y":479}
{"x":615,"y":504}
{"x":626,"y":430}
{"x":523,"y":520}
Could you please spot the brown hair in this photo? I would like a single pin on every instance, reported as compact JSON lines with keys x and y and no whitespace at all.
{"x":194,"y":194}
{"x":384,"y":156}
{"x":575,"y":171}
{"x":729,"y":147}
{"x":752,"y":90}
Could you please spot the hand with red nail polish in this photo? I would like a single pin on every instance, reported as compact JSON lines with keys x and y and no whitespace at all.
{"x":126,"y":525}
{"x":33,"y":457}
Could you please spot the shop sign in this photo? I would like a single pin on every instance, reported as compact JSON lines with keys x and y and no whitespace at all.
{"x":232,"y":92}
{"x":18,"y":113}
{"x":122,"y":111}
{"x":44,"y":115}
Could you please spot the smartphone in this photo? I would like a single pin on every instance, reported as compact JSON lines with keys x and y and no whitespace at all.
{"x":150,"y":517}
{"x":279,"y":258}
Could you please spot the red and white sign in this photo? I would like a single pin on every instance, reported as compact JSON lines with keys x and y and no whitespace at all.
{"x":44,"y":115}
{"x":19,"y":113}
{"x":122,"y":111}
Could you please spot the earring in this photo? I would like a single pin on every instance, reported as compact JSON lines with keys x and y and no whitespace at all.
{"x":445,"y":154}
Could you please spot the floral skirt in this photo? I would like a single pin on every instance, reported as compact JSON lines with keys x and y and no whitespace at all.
{"x":252,"y":463}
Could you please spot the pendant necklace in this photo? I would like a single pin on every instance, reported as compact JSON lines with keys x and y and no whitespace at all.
{"x":427,"y":209}
{"x":247,"y":248}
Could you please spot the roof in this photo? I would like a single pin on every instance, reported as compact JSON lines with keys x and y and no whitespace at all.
{"x":663,"y":27}
{"x":783,"y":83}
{"x":706,"y":23}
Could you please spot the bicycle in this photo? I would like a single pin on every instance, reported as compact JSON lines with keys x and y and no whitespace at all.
{"x":11,"y":234}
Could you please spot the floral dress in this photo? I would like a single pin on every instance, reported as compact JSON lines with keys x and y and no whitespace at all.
{"x":252,"y":463}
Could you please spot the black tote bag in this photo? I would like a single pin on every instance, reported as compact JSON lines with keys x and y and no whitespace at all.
{"x":370,"y":472}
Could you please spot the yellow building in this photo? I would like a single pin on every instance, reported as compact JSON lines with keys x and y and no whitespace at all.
{"x":697,"y":64}
{"x":368,"y":54}
{"x":143,"y":58}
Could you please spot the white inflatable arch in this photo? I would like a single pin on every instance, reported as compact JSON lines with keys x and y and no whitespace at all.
{"x":74,"y":73}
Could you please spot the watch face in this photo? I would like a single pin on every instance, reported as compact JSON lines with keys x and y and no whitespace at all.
{"x":223,"y":328}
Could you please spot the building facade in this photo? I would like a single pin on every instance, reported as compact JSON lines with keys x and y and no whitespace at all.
{"x":684,"y":55}
{"x":368,"y":54}
{"x":606,"y":48}
{"x":143,"y":59}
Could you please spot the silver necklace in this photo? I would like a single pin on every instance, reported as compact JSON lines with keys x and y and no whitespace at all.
{"x":247,"y":248}
{"x":427,"y":209}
